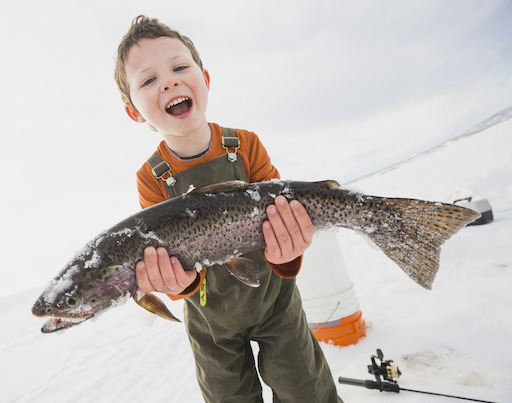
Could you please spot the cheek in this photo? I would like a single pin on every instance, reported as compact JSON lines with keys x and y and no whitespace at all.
{"x":145,"y":102}
{"x":202,"y":93}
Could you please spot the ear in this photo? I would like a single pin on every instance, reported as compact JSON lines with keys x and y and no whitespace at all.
{"x":206,"y":76}
{"x":134,"y":115}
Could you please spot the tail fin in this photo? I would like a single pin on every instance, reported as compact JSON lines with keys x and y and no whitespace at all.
{"x":413,"y":231}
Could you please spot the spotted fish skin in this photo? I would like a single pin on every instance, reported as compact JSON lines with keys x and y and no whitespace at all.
{"x":215,"y":224}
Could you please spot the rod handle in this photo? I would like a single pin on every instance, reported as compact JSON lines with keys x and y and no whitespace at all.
{"x":382,"y":386}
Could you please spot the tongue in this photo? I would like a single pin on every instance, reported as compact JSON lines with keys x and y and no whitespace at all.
{"x":179,"y":109}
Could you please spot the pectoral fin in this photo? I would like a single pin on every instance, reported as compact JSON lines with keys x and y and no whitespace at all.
{"x":154,"y":305}
{"x":245,"y":270}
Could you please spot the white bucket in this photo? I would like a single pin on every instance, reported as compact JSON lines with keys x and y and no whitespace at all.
{"x":328,"y":294}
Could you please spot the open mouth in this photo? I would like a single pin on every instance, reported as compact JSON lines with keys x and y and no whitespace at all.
{"x":54,"y":324}
{"x":179,"y":106}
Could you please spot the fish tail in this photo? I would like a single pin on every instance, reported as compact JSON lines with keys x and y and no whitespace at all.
{"x":413,"y":231}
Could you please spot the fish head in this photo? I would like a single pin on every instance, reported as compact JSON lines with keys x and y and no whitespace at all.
{"x":88,"y":285}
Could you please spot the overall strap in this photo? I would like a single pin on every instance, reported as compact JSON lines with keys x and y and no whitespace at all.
{"x":162,"y":169}
{"x":230,"y":139}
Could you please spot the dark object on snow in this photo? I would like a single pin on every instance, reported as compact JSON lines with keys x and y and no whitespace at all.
{"x":388,"y":371}
{"x":482,"y":206}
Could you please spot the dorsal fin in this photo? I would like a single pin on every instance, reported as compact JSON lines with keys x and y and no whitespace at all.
{"x":222,"y":187}
{"x":330,"y":183}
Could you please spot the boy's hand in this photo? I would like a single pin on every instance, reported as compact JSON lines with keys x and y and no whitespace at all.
{"x":158,"y":272}
{"x":288,"y":231}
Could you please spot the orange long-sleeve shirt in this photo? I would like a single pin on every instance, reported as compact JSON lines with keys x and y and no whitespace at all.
{"x":257,"y":167}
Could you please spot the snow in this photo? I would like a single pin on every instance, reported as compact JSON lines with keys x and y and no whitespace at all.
{"x":254,"y":193}
{"x":58,"y":285}
{"x":404,"y":77}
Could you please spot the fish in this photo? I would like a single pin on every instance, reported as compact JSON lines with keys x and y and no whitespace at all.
{"x":218,"y":223}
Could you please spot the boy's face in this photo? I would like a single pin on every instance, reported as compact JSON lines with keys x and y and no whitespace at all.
{"x":169,"y":90}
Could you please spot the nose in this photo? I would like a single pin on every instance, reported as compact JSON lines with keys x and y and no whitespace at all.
{"x":168,"y":84}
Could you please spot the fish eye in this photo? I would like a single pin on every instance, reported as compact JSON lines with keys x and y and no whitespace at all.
{"x":71,"y":301}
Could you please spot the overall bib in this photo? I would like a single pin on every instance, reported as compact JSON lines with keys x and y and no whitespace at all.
{"x":225,"y":315}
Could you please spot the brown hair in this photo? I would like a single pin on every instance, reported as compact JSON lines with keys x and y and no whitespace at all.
{"x":145,"y":28}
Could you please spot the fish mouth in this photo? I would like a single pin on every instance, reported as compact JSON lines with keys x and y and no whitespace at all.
{"x":179,"y":106}
{"x":56,"y":323}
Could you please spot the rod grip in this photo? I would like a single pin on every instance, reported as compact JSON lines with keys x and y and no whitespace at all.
{"x":353,"y":382}
{"x":382,"y":386}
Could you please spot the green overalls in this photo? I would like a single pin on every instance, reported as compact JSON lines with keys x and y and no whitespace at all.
{"x":225,"y":315}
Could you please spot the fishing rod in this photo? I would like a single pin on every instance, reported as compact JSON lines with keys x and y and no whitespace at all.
{"x":385,"y":373}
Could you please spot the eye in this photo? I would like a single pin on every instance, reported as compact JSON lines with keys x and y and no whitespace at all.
{"x":71,"y":301}
{"x":180,"y":68}
{"x":148,"y":81}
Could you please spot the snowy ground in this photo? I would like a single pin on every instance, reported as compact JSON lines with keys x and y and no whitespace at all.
{"x":454,"y":339}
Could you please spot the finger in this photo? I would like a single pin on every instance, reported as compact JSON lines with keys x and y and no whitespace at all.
{"x":281,"y":234}
{"x":166,"y":271}
{"x":292,"y":227}
{"x":303,"y":220}
{"x":142,"y":277}
{"x":183,"y":277}
{"x":272,"y":248}
{"x":151,"y":263}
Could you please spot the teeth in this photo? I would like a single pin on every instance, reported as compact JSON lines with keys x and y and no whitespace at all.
{"x":176,"y":102}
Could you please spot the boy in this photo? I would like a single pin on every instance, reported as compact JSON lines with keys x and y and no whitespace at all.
{"x":162,"y":82}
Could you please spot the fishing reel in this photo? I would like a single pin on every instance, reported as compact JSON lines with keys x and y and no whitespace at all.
{"x":385,"y":369}
{"x":385,"y":373}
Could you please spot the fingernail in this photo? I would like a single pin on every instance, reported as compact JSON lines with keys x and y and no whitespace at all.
{"x":281,"y":200}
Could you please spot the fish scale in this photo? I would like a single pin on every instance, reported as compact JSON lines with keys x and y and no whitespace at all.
{"x":217,"y":224}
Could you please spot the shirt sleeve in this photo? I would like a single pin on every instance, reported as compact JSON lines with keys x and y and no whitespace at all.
{"x":257,"y":164}
{"x":192,"y":288}
{"x":150,"y":191}
{"x":287,"y":270}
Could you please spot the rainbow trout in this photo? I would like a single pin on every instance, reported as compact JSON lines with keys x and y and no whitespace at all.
{"x":216,"y":224}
